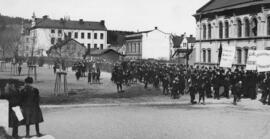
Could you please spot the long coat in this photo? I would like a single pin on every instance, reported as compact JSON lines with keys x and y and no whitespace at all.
{"x":14,"y":99}
{"x":30,"y":106}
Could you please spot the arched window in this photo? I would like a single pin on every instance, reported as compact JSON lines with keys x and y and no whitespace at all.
{"x":204,"y":56}
{"x":239,"y":56}
{"x":209,"y":55}
{"x":247,"y":28}
{"x":226,"y":29}
{"x":204,"y":31}
{"x":220,"y":30}
{"x":209,"y":31}
{"x":268,"y":25}
{"x":246,"y":55}
{"x":254,"y":27}
{"x":239,"y":28}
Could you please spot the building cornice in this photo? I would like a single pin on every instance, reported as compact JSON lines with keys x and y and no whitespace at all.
{"x":236,"y":39}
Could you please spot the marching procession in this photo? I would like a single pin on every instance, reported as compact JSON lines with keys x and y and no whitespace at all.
{"x":209,"y":82}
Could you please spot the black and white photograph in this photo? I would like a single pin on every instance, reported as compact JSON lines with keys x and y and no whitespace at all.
{"x":134,"y":69}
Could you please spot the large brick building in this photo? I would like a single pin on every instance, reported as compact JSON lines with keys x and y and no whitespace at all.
{"x":244,"y":24}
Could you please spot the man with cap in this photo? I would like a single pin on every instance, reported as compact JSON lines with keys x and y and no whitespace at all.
{"x":30,"y":107}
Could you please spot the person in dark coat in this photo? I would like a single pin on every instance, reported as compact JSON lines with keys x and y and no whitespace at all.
{"x":165,"y":84}
{"x":192,"y":91}
{"x":201,"y":89}
{"x":19,"y":69}
{"x":90,"y":76}
{"x":14,"y":98}
{"x":237,"y":93}
{"x":98,"y":74}
{"x":78,"y":75}
{"x":30,"y":107}
{"x":175,"y":91}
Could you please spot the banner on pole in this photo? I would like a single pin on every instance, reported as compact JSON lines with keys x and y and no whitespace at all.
{"x":227,"y":57}
{"x":251,"y":60}
{"x":263,"y":60}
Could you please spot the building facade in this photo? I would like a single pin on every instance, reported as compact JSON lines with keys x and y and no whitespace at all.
{"x":182,"y":47}
{"x":68,"y":49}
{"x":244,"y":24}
{"x":47,"y":32}
{"x":25,"y":49}
{"x":153,"y":44}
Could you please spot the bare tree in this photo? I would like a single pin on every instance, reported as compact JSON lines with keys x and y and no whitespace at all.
{"x":10,"y":40}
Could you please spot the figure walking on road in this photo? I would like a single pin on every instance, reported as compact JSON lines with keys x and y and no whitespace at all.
{"x":31,"y":107}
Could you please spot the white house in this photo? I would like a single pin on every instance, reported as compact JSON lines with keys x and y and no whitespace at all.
{"x":47,"y":32}
{"x":153,"y":44}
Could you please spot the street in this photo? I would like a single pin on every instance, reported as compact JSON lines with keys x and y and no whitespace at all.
{"x":217,"y":121}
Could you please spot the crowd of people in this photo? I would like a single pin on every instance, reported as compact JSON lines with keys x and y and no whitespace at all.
{"x":27,"y":98}
{"x":93,"y":71}
{"x":208,"y":82}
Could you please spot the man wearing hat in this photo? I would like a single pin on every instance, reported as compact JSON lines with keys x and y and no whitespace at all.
{"x":30,"y":107}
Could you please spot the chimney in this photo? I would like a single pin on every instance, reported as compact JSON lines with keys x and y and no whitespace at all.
{"x":45,"y":17}
{"x":156,"y":28}
{"x":81,"y":21}
{"x":62,"y":20}
{"x":102,"y":22}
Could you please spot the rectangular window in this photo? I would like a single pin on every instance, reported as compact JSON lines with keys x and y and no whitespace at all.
{"x":89,"y":35}
{"x":52,"y":31}
{"x":139,"y":47}
{"x":88,"y":46}
{"x":95,"y":36}
{"x":69,"y":34}
{"x":209,"y":56}
{"x":101,"y":36}
{"x":76,"y":35}
{"x":239,"y":56}
{"x":95,"y":46}
{"x":131,"y":47}
{"x":52,"y":40}
{"x":101,"y":46}
{"x":59,"y":31}
{"x":127,"y":47}
{"x":204,"y":56}
{"x":268,"y":25}
{"x":82,"y":35}
{"x":82,"y":44}
{"x":246,"y":55}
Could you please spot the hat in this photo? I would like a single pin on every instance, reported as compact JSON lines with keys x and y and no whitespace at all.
{"x":29,"y":80}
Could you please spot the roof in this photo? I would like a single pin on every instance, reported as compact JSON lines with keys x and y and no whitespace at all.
{"x":177,"y":40}
{"x":62,"y":43}
{"x":117,"y":37}
{"x":115,"y":47}
{"x":138,"y":35}
{"x":98,"y":52}
{"x":69,"y":24}
{"x":219,"y":4}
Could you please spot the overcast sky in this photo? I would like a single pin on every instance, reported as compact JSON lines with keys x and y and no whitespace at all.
{"x":172,"y":16}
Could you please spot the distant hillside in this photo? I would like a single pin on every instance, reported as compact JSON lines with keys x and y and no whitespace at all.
{"x":10,"y":21}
